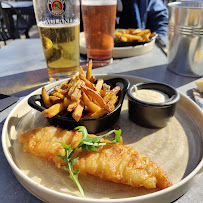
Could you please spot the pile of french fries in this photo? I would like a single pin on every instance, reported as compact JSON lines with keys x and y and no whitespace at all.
{"x":82,"y":96}
{"x":132,"y":35}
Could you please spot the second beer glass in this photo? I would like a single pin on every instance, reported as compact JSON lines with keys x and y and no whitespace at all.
{"x":99,"y":24}
{"x":59,"y":27}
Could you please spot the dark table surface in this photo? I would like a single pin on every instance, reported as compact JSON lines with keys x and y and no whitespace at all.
{"x":23,"y":69}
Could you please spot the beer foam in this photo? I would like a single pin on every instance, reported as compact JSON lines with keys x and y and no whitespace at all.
{"x":42,"y":24}
{"x":98,"y":2}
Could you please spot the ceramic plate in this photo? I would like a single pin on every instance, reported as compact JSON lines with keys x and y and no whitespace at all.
{"x":121,"y":52}
{"x":176,"y":148}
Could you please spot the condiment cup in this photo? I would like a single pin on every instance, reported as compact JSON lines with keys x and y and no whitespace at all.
{"x":148,"y":114}
{"x":93,"y":125}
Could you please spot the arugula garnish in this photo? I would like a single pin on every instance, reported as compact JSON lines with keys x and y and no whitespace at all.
{"x":87,"y":143}
{"x":70,"y":163}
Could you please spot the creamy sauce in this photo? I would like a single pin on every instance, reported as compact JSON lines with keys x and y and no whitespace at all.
{"x":153,"y":96}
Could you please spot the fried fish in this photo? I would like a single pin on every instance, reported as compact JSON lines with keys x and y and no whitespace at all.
{"x":115,"y":162}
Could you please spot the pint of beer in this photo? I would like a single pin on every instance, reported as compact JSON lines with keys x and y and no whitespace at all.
{"x":58,"y":22}
{"x":99,"y":18}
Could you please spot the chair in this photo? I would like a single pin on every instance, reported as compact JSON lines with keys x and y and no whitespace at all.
{"x":16,"y":22}
{"x":3,"y":36}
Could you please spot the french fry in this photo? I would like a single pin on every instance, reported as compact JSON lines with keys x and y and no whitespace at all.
{"x":64,"y":84}
{"x":94,"y":95}
{"x":59,"y":95}
{"x":115,"y":90}
{"x":118,"y":34}
{"x":72,"y":87}
{"x":53,"y":110}
{"x":77,"y":113}
{"x":123,"y":39}
{"x":76,"y":95}
{"x":55,"y":99}
{"x":132,"y":37}
{"x":113,"y":99}
{"x":110,"y":107}
{"x":92,"y":79}
{"x":107,"y":96}
{"x":72,"y":105}
{"x":128,"y":31}
{"x":103,"y":92}
{"x":98,"y":113}
{"x":140,"y":40}
{"x":83,"y":77}
{"x":99,"y":84}
{"x":76,"y":76}
{"x":110,"y":99}
{"x":123,"y":31}
{"x":136,"y":31}
{"x":52,"y":93}
{"x":144,"y":32}
{"x":57,"y":89}
{"x":89,"y":104}
{"x":152,"y":35}
{"x":45,"y":98}
{"x":145,"y":38}
{"x":64,"y":87}
{"x":62,"y":91}
{"x":89,"y":70}
{"x":106,"y":87}
{"x":66,"y":102}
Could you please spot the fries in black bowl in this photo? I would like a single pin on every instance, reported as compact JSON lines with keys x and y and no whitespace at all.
{"x":83,"y":100}
{"x":132,"y":37}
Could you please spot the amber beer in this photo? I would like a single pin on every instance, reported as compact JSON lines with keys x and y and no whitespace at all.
{"x":99,"y":24}
{"x":61,"y":49}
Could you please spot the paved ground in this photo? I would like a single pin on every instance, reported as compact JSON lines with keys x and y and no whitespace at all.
{"x":33,"y":34}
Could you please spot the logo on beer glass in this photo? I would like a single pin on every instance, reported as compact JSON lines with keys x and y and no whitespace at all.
{"x":57,"y":7}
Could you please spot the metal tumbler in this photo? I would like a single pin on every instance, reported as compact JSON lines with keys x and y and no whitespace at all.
{"x":185,"y":34}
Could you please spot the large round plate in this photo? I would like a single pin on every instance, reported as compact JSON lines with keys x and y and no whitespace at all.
{"x":176,"y":148}
{"x":121,"y":52}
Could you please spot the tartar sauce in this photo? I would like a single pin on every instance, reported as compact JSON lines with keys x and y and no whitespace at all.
{"x":148,"y":95}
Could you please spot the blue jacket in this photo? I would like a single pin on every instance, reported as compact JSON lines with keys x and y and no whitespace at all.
{"x":151,"y":14}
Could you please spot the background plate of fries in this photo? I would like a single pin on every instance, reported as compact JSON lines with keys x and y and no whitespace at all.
{"x":129,"y":50}
{"x":132,"y":37}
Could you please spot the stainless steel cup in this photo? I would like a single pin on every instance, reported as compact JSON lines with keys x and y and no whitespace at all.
{"x":185,"y":34}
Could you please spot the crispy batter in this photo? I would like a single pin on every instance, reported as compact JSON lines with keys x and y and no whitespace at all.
{"x":116,"y":162}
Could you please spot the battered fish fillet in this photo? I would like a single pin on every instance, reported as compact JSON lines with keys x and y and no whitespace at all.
{"x":115,"y":162}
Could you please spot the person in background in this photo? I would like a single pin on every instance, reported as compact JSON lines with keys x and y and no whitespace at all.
{"x":144,"y":14}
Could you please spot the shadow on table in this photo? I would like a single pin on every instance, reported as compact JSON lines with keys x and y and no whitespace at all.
{"x":161,"y":74}
{"x":24,"y":83}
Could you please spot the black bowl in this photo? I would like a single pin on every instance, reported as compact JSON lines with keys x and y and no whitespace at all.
{"x":118,"y":43}
{"x":93,"y":125}
{"x":152,"y":115}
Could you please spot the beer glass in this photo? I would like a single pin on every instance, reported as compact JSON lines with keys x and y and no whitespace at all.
{"x":58,"y":22}
{"x":99,"y":18}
